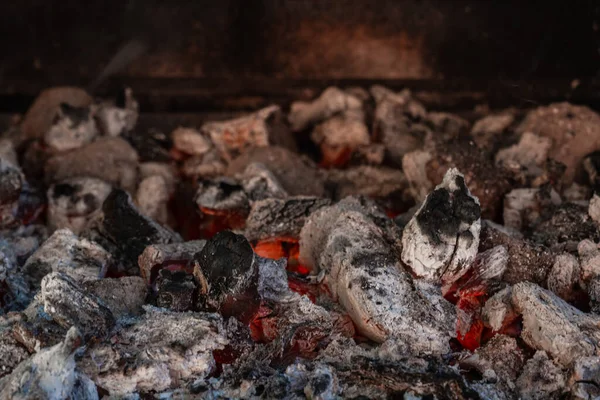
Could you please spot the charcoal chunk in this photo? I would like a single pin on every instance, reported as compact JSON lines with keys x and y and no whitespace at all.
{"x":375,"y":182}
{"x":129,"y":230}
{"x":222,"y":194}
{"x":150,"y":145}
{"x":175,"y":290}
{"x":489,"y":129}
{"x":541,"y":379}
{"x":160,"y":254}
{"x":11,"y":352}
{"x":272,"y":218}
{"x":11,"y":183}
{"x":565,"y":226}
{"x":259,"y":183}
{"x":70,"y":305}
{"x":227,"y":264}
{"x":115,"y":119}
{"x":123,"y":296}
{"x":72,"y":128}
{"x":331,"y":102}
{"x":190,"y":141}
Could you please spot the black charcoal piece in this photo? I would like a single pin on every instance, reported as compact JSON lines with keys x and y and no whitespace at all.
{"x":175,"y":290}
{"x":152,"y":145}
{"x":128,"y":229}
{"x":70,"y":305}
{"x":227,"y":264}
{"x":272,"y":218}
{"x":157,"y":255}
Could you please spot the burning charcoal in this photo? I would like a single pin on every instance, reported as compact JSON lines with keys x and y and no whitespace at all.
{"x":398,"y":122}
{"x":523,"y":207}
{"x":72,"y":128}
{"x":273,"y":280}
{"x":541,"y":379}
{"x":222,"y":194}
{"x":40,"y":115}
{"x":262,"y":128}
{"x":74,"y":202}
{"x":375,"y":182}
{"x":564,"y":226}
{"x":115,"y":119}
{"x":574,"y":130}
{"x":500,"y":358}
{"x":563,"y":278}
{"x":182,"y":345}
{"x":527,"y":158}
{"x":331,"y":102}
{"x":273,"y":218}
{"x":190,"y":141}
{"x":157,"y":255}
{"x":489,"y":128}
{"x":259,"y":183}
{"x":11,"y":352}
{"x":364,"y":273}
{"x":11,"y":183}
{"x":297,"y":175}
{"x":152,"y":197}
{"x":208,"y":165}
{"x":112,"y":160}
{"x":123,"y":296}
{"x":175,"y":290}
{"x":65,"y":252}
{"x":70,"y":305}
{"x":446,"y":125}
{"x":526,"y":260}
{"x":585,"y":378}
{"x":498,"y":310}
{"x":414,"y":166}
{"x":50,"y":374}
{"x":129,"y":230}
{"x":488,"y":183}
{"x":225,"y":267}
{"x":553,"y":325}
{"x":443,"y":236}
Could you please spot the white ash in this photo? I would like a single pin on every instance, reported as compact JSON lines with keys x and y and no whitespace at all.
{"x":260,"y":183}
{"x":74,"y":202}
{"x":260,"y":129}
{"x":190,"y":141}
{"x":8,"y":152}
{"x":72,"y":128}
{"x":123,"y":296}
{"x":71,"y":305}
{"x":152,"y":197}
{"x":498,"y":309}
{"x":397,"y":122}
{"x":165,"y":170}
{"x":112,"y":160}
{"x":585,"y":378}
{"x":331,"y":102}
{"x":414,"y":166}
{"x":372,"y":181}
{"x":553,"y":325}
{"x":342,"y":132}
{"x":364,"y":273}
{"x":272,"y":217}
{"x":594,"y":208}
{"x":50,"y":374}
{"x":589,"y":257}
{"x":441,"y":240}
{"x":486,"y":130}
{"x":67,"y":253}
{"x":541,"y":379}
{"x":115,"y":120}
{"x":272,"y":280}
{"x":563,"y":278}
{"x":526,"y":157}
{"x":522,"y":207}
{"x":12,"y":181}
{"x":157,"y":254}
{"x":162,"y":350}
{"x":41,"y":113}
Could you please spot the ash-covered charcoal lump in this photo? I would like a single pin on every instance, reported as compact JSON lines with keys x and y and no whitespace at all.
{"x":225,"y":266}
{"x":73,"y":127}
{"x":441,"y":240}
{"x":11,"y":183}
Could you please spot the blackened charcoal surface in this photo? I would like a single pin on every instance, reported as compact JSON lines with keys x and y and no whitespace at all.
{"x":271,"y":218}
{"x":157,"y":254}
{"x":70,"y":305}
{"x":227,"y":263}
{"x":128,"y":229}
{"x":175,"y":290}
{"x":566,"y":225}
{"x":152,"y":145}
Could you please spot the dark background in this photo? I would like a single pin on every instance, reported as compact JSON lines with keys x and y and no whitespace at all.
{"x":231,"y":54}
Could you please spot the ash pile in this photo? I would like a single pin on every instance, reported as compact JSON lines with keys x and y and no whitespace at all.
{"x":400,"y":253}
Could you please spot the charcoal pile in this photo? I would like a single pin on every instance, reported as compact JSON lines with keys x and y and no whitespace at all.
{"x":406,"y":253}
